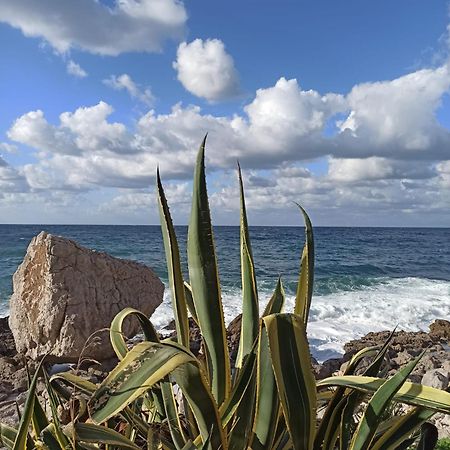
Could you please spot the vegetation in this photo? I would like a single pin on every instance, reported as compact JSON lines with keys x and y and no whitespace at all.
{"x":161,"y":396}
{"x":443,"y":444}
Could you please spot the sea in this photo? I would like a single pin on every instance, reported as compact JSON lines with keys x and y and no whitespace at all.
{"x":366,"y":279}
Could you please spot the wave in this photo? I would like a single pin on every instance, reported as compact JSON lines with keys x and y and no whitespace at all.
{"x":410,"y":303}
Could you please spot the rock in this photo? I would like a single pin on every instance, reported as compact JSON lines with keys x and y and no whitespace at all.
{"x":327,"y":368}
{"x":62,"y":293}
{"x":7,"y":345}
{"x":436,"y":378}
{"x":440,"y":329}
{"x":233,"y":336}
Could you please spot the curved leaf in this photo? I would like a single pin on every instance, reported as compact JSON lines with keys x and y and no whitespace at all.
{"x":306,"y":278}
{"x":143,"y":366}
{"x":116,"y":330}
{"x":204,"y":280}
{"x":175,"y":274}
{"x":410,"y":393}
{"x":88,"y":432}
{"x":377,"y":405}
{"x":291,"y":362}
{"x":250,"y":304}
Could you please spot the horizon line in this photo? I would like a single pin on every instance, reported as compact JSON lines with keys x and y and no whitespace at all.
{"x":220,"y":225}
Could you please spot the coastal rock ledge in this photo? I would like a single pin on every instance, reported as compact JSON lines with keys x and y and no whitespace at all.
{"x":63,"y":292}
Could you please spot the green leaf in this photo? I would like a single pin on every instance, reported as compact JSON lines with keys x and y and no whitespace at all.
{"x":54,"y":402}
{"x":276,"y":302}
{"x":306,"y":278}
{"x":176,"y":283}
{"x":190,"y":301}
{"x":428,"y":437}
{"x":8,"y":436}
{"x":20,"y":442}
{"x":241,"y":386}
{"x":116,"y":330}
{"x":143,"y":366}
{"x":291,"y":362}
{"x":267,"y":401}
{"x":204,"y":280}
{"x":195,"y":388}
{"x":173,"y":418}
{"x":48,"y":436}
{"x":78,"y":383}
{"x":410,"y":393}
{"x":250,"y":304}
{"x":88,"y":432}
{"x":398,"y":433}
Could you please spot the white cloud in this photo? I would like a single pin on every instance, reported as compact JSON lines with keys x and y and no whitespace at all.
{"x":372,"y":160}
{"x":376,"y":168}
{"x":125,"y":82}
{"x":398,"y":116}
{"x":206,"y":70}
{"x":90,"y":25}
{"x":75,"y":69}
{"x":11,"y":180}
{"x":8,"y":148}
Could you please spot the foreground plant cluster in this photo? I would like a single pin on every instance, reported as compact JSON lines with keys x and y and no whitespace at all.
{"x":161,"y":396}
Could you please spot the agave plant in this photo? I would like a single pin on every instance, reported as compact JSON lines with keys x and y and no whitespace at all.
{"x":161,"y":396}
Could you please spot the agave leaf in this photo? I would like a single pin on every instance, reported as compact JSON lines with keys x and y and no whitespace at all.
{"x":306,"y":278}
{"x":48,"y":436}
{"x":143,"y":366}
{"x":428,"y":437}
{"x":276,"y":302}
{"x":353,"y":398}
{"x":291,"y":362}
{"x":173,"y":267}
{"x":243,"y":382}
{"x":250,"y":304}
{"x":329,"y":423}
{"x":79,"y":383}
{"x":190,"y":301}
{"x":197,"y":392}
{"x":173,"y":418}
{"x":20,"y":443}
{"x":241,"y":428}
{"x":54,"y":402}
{"x":205,"y":285}
{"x":340,"y":409}
{"x":97,"y":434}
{"x":38,"y":419}
{"x":377,"y":405}
{"x":8,"y":436}
{"x":267,"y":401}
{"x":410,"y":393}
{"x":404,"y":427}
{"x":116,"y":330}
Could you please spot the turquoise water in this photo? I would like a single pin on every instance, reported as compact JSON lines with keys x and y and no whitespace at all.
{"x":367,"y":279}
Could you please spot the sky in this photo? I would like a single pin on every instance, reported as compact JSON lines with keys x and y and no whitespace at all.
{"x":342,"y":107}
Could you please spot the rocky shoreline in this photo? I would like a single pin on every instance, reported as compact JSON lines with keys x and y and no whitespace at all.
{"x":433,"y":369}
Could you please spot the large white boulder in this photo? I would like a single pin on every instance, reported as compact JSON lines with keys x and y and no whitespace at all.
{"x":63,"y":292}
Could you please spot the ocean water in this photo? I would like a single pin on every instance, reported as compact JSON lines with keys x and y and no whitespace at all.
{"x":366,"y":279}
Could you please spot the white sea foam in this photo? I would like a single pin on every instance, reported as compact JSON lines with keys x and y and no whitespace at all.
{"x":410,"y":303}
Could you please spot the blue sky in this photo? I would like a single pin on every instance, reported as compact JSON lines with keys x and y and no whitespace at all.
{"x":342,"y":106}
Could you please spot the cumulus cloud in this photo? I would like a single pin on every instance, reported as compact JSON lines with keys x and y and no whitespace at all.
{"x":398,"y":116}
{"x":125,"y":82}
{"x":90,"y":25}
{"x":370,"y":160}
{"x":11,"y":180}
{"x":206,"y":70}
{"x":377,"y":168}
{"x":75,"y":69}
